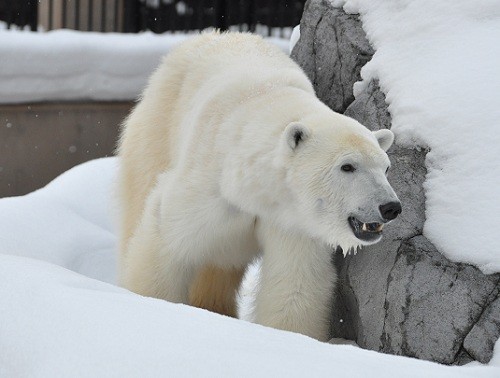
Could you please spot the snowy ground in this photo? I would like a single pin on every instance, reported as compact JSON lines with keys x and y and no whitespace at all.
{"x":58,"y":318}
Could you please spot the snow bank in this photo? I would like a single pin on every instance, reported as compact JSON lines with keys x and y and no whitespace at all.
{"x":67,"y":223}
{"x":437,"y":62}
{"x":73,"y":65}
{"x":56,"y":322}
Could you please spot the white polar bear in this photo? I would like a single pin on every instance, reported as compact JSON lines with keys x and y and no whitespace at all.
{"x":228,"y":155}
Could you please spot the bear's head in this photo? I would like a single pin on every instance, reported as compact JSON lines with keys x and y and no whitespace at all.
{"x":336,"y":171}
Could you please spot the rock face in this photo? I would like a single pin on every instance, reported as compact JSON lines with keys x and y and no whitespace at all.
{"x":335,"y":55}
{"x":401,"y":296}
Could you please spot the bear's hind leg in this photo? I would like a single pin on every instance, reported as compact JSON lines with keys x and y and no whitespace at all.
{"x":296,"y":284}
{"x":215,"y":289}
{"x":152,"y":267}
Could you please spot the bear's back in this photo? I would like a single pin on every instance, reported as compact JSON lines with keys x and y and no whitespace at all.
{"x":224,"y":52}
{"x":210,"y":73}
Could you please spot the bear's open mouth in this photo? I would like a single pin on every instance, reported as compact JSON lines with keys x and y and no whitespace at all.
{"x":366,"y":231}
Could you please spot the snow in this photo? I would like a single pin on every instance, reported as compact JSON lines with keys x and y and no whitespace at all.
{"x":58,"y":322}
{"x":294,"y":38}
{"x":73,"y":65}
{"x":437,"y":63}
{"x":62,"y":315}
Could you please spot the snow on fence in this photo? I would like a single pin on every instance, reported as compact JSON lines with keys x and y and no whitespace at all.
{"x":70,"y":65}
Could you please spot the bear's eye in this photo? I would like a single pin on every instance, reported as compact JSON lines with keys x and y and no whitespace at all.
{"x":348,"y":168}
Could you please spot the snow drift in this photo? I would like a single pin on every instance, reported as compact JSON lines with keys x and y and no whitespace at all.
{"x":58,"y":322}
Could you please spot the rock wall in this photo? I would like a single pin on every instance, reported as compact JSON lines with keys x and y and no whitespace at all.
{"x":401,"y":296}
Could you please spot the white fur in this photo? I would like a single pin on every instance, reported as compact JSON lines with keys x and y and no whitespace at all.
{"x":209,"y":147}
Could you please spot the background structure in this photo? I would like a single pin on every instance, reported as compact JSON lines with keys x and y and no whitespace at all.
{"x":77,"y":130}
{"x":158,"y":16}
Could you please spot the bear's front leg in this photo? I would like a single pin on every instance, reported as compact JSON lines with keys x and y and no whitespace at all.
{"x":296,"y":284}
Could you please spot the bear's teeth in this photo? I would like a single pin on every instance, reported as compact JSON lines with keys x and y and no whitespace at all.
{"x":372,"y":227}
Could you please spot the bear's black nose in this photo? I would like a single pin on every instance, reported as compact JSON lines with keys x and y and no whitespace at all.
{"x":390,"y":210}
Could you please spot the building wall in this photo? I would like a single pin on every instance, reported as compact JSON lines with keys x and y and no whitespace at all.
{"x":38,"y":142}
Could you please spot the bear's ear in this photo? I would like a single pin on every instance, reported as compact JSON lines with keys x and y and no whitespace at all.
{"x":385,"y":138}
{"x":295,"y":134}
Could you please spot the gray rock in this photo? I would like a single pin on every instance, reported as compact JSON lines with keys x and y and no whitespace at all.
{"x":431,"y":302}
{"x":407,"y":173}
{"x":332,"y":50}
{"x":370,"y":108}
{"x":400,"y":296}
{"x":481,"y":339}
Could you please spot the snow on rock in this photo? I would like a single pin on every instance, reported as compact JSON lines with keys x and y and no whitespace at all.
{"x":401,"y":295}
{"x":56,"y":322}
{"x":73,"y":65}
{"x":294,"y":38}
{"x":437,"y":63}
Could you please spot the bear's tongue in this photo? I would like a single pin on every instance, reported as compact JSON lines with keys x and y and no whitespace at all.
{"x":372,"y":227}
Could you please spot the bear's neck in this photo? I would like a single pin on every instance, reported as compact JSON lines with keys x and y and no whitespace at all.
{"x":252,"y":178}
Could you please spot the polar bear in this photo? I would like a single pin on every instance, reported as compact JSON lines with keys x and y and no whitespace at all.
{"x":230,"y":155}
